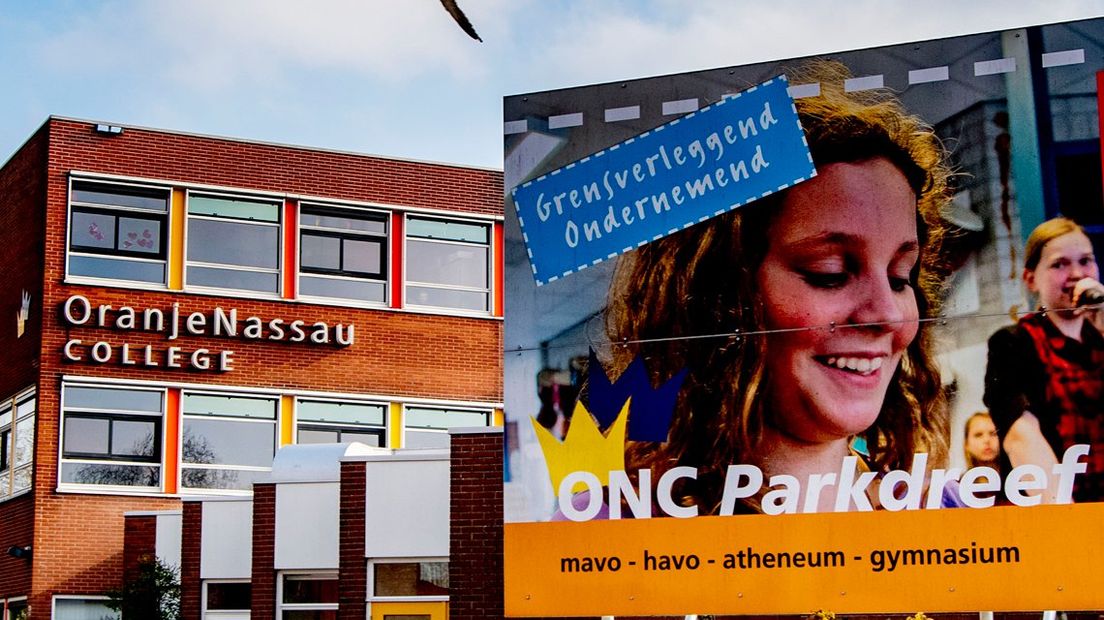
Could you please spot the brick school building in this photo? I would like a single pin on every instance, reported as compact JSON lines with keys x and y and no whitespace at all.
{"x":179,"y":307}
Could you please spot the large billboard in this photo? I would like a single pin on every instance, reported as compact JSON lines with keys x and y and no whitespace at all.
{"x":815,"y":334}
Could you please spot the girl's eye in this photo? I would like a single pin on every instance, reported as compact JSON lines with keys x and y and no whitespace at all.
{"x":825,"y":280}
{"x":1086,"y":261}
{"x":899,"y":284}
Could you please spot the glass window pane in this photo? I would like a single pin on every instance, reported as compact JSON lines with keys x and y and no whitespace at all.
{"x":24,"y":441}
{"x":5,"y":450}
{"x":134,"y":438}
{"x":140,"y":235}
{"x":233,"y":243}
{"x":304,"y":589}
{"x":425,"y":439}
{"x":121,"y":195}
{"x":234,"y":207}
{"x":411,"y":579}
{"x":316,"y":411}
{"x":236,"y":406}
{"x":111,"y":474}
{"x":313,"y":436}
{"x":227,"y":442}
{"x":443,"y":418}
{"x":117,"y":269}
{"x":445,"y":298}
{"x":25,"y":407}
{"x":18,"y":610}
{"x":376,"y":224}
{"x":342,"y":288}
{"x":219,"y":479}
{"x":365,"y":437}
{"x":232,"y":278}
{"x":86,"y":436}
{"x":93,"y":230}
{"x":320,"y":252}
{"x":104,"y":398}
{"x":453,"y":231}
{"x":81,"y":609}
{"x":5,"y":485}
{"x":446,"y":263}
{"x":22,"y":478}
{"x":5,"y":415}
{"x":229,"y":596}
{"x":363,"y":256}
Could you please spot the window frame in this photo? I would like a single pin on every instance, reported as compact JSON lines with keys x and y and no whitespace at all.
{"x":370,"y":586}
{"x":489,"y":268}
{"x":76,"y":597}
{"x":279,"y":225}
{"x":443,"y":430}
{"x":327,"y":210}
{"x":9,"y":438}
{"x":185,"y":417}
{"x":14,"y":599}
{"x":74,"y":206}
{"x":214,"y":614}
{"x":115,"y":413}
{"x":380,"y":430}
{"x":320,"y":575}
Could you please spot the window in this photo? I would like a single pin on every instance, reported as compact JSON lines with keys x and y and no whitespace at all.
{"x":87,"y":608}
{"x":343,"y":254}
{"x":233,"y":243}
{"x":428,"y":428}
{"x":118,"y":232}
{"x":111,"y":436}
{"x":17,"y":609}
{"x":229,"y":441}
{"x":17,"y":437}
{"x":428,"y":579}
{"x":341,"y":422}
{"x":448,"y":264}
{"x":308,"y":597}
{"x":227,"y":600}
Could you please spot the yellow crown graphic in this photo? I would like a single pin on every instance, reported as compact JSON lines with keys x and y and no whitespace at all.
{"x":584,"y":448}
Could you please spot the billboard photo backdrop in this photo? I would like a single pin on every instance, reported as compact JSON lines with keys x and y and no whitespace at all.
{"x":768,"y":328}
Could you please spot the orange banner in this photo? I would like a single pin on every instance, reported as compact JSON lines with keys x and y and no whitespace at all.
{"x":997,"y":559}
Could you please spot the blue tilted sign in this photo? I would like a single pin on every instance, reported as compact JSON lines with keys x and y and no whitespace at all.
{"x":725,"y":155}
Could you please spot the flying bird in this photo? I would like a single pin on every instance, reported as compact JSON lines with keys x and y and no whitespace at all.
{"x":461,"y":19}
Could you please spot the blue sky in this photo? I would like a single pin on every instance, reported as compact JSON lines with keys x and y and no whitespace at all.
{"x":398,"y":77}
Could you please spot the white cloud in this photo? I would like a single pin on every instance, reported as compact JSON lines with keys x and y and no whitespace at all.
{"x":215,"y":44}
{"x":605,"y":42}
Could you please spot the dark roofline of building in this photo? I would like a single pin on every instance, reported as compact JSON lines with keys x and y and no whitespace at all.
{"x":55,"y":117}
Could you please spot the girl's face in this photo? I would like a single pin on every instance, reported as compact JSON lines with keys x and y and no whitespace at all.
{"x":841,"y":251}
{"x":1064,"y":261}
{"x":981,"y":439}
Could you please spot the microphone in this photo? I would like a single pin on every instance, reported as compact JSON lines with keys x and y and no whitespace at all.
{"x":1090,"y":297}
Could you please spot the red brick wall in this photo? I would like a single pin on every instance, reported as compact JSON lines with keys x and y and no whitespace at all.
{"x":78,"y":539}
{"x":16,"y":530}
{"x":79,"y":547}
{"x":191,"y":535}
{"x":139,"y":542}
{"x":22,"y":222}
{"x":395,"y":353}
{"x":389,"y":355}
{"x":352,"y":566}
{"x":264,"y":551}
{"x":78,"y":542}
{"x":475,"y":528}
{"x":296,"y":170}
